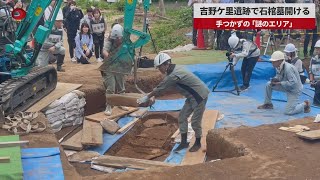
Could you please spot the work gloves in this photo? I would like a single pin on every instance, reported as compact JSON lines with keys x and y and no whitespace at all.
{"x":142,"y":100}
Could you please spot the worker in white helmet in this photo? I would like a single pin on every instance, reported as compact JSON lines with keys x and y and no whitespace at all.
{"x":292,"y":58}
{"x":111,"y":79}
{"x":250,"y":53}
{"x":192,"y":88}
{"x":53,"y":45}
{"x":287,"y":80}
{"x":314,"y":73}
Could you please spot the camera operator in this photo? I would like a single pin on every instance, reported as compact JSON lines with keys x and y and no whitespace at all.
{"x":314,"y":74}
{"x":287,"y":80}
{"x":249,"y":51}
{"x":292,"y":58}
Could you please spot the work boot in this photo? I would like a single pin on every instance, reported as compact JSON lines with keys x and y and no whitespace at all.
{"x":196,"y":146}
{"x":307,"y":108}
{"x":244,"y":88}
{"x":266,"y":106}
{"x":184,"y":144}
{"x":108,"y":110}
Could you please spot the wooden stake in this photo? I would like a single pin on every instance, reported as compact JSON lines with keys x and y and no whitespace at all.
{"x":13,"y":143}
{"x":127,"y":126}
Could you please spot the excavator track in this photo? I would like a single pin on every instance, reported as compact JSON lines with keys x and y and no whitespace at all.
{"x":19,"y":94}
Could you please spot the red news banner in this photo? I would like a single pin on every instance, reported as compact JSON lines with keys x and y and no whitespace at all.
{"x":254,"y":16}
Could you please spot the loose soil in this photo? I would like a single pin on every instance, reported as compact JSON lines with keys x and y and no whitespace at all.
{"x":263,"y":152}
{"x":149,"y":139}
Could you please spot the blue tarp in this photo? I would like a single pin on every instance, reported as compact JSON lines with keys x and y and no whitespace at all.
{"x":41,"y":163}
{"x":109,"y":140}
{"x":242,"y":110}
{"x":167,"y":105}
{"x":238,"y":110}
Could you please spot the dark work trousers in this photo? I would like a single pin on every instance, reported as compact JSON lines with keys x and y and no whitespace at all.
{"x":194,"y":31}
{"x":218,"y":46}
{"x":72,"y":44}
{"x":83,"y":60}
{"x":307,"y":40}
{"x":98,"y":46}
{"x":60,"y":59}
{"x":316,"y":98}
{"x":247,"y":67}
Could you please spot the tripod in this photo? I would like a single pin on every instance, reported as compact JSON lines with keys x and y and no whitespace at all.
{"x":148,"y":31}
{"x":271,"y":42}
{"x":234,"y":78}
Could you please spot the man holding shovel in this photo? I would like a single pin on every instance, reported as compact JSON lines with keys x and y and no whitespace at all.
{"x":192,"y":88}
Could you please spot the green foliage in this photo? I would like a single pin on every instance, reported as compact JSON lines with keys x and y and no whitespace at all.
{"x":183,"y":17}
{"x":170,"y":34}
{"x":102,"y":5}
{"x":84,"y":4}
{"x":119,"y":5}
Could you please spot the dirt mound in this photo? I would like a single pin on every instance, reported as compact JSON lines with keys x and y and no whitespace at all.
{"x":93,"y":87}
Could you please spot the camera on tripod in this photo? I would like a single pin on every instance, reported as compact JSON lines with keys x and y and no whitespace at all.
{"x":228,"y":56}
{"x":233,"y":75}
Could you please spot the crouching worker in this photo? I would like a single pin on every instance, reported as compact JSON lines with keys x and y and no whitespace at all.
{"x":53,"y":45}
{"x":314,"y":74}
{"x":192,"y":88}
{"x":287,"y":80}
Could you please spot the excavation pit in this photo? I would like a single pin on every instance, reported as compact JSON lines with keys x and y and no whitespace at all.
{"x":149,"y":139}
{"x":218,"y":147}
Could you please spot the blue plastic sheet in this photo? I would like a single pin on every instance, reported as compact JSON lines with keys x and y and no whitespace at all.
{"x":41,"y":163}
{"x":167,"y":105}
{"x":242,"y":110}
{"x":109,"y":140}
{"x":238,"y":110}
{"x":176,"y":157}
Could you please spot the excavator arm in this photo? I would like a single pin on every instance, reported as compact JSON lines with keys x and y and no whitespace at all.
{"x":143,"y":37}
{"x":123,"y":60}
{"x":24,"y":31}
{"x":23,"y":84}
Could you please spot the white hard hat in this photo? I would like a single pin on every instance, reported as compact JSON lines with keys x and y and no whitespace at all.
{"x":59,"y":16}
{"x":233,"y":40}
{"x":277,"y":56}
{"x":160,"y":59}
{"x":117,"y":31}
{"x":317,"y":44}
{"x":290,"y":48}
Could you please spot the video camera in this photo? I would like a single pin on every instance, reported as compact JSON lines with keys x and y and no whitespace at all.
{"x":228,"y":56}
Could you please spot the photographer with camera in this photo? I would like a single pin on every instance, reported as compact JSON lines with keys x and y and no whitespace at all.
{"x":287,"y":80}
{"x":314,"y":74}
{"x":249,"y":51}
{"x":292,"y":58}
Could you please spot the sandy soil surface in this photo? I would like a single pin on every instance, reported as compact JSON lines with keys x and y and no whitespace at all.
{"x":263,"y":152}
{"x":269,"y":153}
